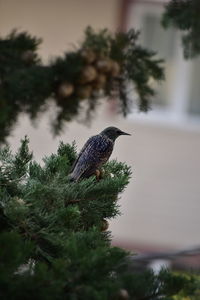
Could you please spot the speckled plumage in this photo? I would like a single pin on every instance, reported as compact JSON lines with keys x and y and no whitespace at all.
{"x":95,"y":153}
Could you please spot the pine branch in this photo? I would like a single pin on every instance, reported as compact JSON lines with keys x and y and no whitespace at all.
{"x":51,"y":243}
{"x":184,"y":15}
{"x":103,"y":66}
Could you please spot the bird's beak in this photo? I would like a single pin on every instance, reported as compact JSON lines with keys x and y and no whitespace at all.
{"x":124,"y":133}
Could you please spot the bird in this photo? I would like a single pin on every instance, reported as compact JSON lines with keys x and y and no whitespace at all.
{"x":95,"y":153}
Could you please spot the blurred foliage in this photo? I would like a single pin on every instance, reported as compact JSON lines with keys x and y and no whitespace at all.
{"x":103,"y":67}
{"x":51,"y":243}
{"x":184,"y":14}
{"x":16,"y":50}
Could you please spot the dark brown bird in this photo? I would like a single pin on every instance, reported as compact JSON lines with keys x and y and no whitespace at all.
{"x":95,"y":153}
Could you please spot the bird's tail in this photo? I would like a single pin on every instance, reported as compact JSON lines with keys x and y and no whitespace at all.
{"x":73,"y":177}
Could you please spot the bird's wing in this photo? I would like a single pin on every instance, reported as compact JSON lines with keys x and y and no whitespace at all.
{"x":81,"y":152}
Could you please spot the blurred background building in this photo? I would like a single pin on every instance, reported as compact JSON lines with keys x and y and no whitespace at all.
{"x":160,"y":208}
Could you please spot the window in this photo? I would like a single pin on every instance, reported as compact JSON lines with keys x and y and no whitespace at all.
{"x":178,"y":97}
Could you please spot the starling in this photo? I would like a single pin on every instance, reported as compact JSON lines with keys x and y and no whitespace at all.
{"x":95,"y":153}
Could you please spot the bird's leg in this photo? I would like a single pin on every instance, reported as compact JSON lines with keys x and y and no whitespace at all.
{"x":99,"y":174}
{"x":102,"y":173}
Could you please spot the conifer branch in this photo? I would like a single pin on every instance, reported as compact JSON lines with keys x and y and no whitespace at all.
{"x":184,"y":15}
{"x":103,"y":65}
{"x":52,"y":245}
